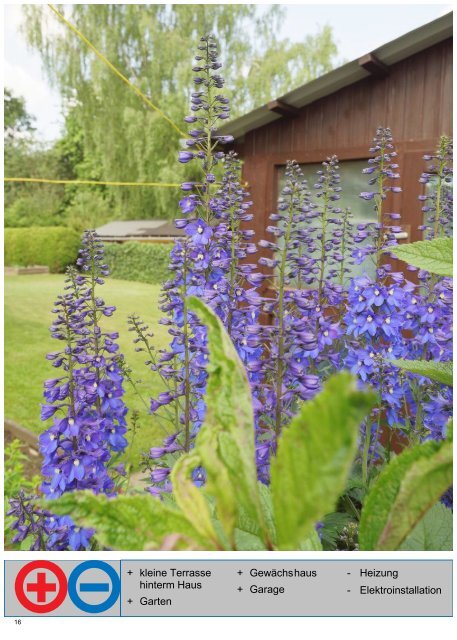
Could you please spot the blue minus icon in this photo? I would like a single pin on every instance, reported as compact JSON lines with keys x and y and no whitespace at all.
{"x":94,"y":586}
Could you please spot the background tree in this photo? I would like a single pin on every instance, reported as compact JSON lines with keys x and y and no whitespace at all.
{"x":18,"y":123}
{"x":25,"y":156}
{"x":120,"y":138}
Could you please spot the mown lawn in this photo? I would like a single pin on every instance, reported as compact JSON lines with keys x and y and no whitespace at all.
{"x":28,"y":304}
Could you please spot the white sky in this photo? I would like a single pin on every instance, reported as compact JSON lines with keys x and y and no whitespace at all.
{"x":358,"y":29}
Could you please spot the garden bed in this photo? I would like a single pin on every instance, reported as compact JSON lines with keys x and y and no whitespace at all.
{"x":26,"y":271}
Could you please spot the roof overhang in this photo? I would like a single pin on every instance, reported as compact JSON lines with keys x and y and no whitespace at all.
{"x":374,"y":63}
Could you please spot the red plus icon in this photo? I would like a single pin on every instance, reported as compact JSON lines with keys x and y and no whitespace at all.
{"x":44,"y":586}
{"x":41,"y":587}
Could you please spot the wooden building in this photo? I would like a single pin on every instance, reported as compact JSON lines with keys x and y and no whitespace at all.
{"x":405,"y":84}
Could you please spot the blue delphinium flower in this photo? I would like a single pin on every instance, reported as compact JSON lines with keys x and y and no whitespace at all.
{"x":306,"y":261}
{"x":429,"y":310}
{"x":391,"y":317}
{"x":284,"y":375}
{"x":205,"y":263}
{"x":85,"y":402}
{"x":383,"y":172}
{"x":376,"y":307}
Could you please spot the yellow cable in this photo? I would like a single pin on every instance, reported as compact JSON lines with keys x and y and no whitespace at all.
{"x":116,"y":71}
{"x":95,"y":182}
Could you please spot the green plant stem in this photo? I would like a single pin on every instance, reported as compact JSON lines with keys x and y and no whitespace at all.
{"x":346,"y":214}
{"x":323,"y":238}
{"x":71,"y":381}
{"x":439,"y":186}
{"x":232,"y":283}
{"x":350,"y":506}
{"x":366,"y":448}
{"x":280,"y":315}
{"x":186,"y":361}
{"x":95,"y":319}
{"x":378,"y":208}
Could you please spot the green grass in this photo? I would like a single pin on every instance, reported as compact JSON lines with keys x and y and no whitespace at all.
{"x":28,"y":304}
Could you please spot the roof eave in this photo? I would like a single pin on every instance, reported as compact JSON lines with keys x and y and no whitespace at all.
{"x":390,"y":53}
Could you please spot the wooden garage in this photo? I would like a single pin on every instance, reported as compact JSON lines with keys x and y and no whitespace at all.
{"x":405,"y":84}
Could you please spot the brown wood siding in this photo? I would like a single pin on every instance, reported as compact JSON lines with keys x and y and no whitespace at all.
{"x":414,"y":100}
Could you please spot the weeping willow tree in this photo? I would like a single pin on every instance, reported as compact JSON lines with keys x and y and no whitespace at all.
{"x":123,"y":139}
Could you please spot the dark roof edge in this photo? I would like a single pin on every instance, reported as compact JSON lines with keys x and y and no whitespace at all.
{"x":390,"y":53}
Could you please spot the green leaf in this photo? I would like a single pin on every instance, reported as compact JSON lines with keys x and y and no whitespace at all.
{"x":266,"y":501}
{"x":314,"y":458}
{"x":191,"y":500}
{"x":437,"y":371}
{"x":26,"y":543}
{"x":432,"y":533}
{"x":434,"y":256}
{"x":225,"y":442}
{"x":248,"y":525}
{"x":246,"y":541}
{"x":129,"y":522}
{"x":311,"y":543}
{"x":408,"y":486}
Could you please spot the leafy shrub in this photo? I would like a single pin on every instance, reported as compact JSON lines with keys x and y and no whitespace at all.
{"x":37,"y":210}
{"x":15,"y":480}
{"x":53,"y":247}
{"x":138,"y":262}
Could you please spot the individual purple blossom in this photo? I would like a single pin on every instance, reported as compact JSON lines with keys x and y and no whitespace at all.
{"x":199,"y":231}
{"x":185,"y":156}
{"x":188,"y":204}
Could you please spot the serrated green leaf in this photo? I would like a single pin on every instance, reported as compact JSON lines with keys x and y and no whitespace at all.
{"x":314,"y":458}
{"x":333,"y":523}
{"x":130,"y":522}
{"x":434,"y":256}
{"x":432,"y":533}
{"x":437,"y":371}
{"x":404,"y":491}
{"x":225,"y":442}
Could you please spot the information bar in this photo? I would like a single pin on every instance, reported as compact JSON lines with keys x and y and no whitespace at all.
{"x":233,"y":587}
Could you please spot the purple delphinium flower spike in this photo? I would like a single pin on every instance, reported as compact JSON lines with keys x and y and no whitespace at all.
{"x":86,"y":402}
{"x":205,"y":263}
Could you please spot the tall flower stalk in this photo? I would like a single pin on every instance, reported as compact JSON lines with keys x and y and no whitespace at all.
{"x":287,"y":340}
{"x":375,"y":313}
{"x":87,"y":433}
{"x":89,"y":427}
{"x":206,"y":263}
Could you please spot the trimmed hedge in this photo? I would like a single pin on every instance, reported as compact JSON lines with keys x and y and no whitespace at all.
{"x":138,"y":261}
{"x":53,"y":247}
